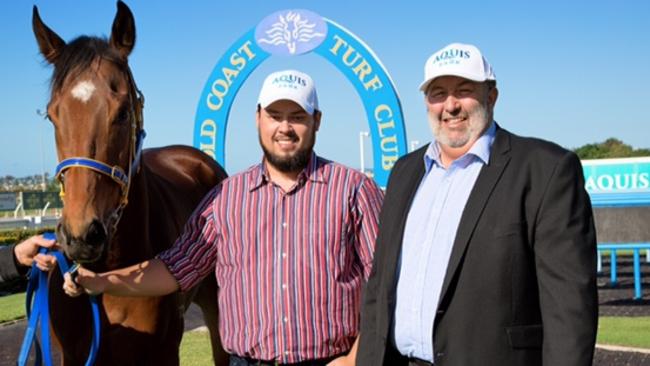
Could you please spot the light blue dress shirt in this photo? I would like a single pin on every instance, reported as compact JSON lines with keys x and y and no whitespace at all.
{"x":429,"y":235}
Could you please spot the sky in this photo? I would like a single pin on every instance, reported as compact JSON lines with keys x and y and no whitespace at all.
{"x":572,"y":72}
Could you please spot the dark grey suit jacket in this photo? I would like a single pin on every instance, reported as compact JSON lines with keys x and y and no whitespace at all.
{"x":520,"y":288}
{"x":8,"y":269}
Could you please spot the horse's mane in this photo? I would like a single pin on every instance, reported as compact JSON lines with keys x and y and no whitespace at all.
{"x":79,"y":54}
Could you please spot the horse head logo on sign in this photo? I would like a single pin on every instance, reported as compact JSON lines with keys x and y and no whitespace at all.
{"x":291,"y":33}
{"x":295,"y":32}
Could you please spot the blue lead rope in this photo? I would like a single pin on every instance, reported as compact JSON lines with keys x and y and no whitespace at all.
{"x":40,"y":313}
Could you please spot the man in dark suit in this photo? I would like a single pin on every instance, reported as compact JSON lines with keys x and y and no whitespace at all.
{"x":486,"y":253}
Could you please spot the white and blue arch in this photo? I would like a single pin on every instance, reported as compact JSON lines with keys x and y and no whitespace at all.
{"x":324,"y":37}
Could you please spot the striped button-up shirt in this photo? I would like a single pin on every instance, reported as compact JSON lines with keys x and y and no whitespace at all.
{"x":290,"y":265}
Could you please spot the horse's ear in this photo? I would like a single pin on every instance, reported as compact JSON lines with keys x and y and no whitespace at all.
{"x":49,"y":42}
{"x":123,"y":32}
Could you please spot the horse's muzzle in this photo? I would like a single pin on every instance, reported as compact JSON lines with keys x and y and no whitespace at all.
{"x":87,"y":247}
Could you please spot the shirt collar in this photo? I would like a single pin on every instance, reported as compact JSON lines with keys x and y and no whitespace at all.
{"x":480,"y":149}
{"x":259,"y":174}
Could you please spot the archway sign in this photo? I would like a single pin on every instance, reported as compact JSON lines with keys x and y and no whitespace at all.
{"x":295,"y":32}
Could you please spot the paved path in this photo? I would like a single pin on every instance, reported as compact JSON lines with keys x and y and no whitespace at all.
{"x":617,"y":358}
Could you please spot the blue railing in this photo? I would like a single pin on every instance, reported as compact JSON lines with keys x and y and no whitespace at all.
{"x":623,"y":199}
{"x":636,"y":248}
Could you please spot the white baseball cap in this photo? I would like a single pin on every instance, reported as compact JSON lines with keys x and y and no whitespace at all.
{"x":457,"y":59}
{"x":290,"y":85}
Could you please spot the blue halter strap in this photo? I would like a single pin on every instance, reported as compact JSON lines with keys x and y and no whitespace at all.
{"x":38,"y":314}
{"x":115,"y":172}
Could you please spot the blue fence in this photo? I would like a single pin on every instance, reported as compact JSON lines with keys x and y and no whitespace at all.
{"x":623,"y":199}
{"x":636,"y":248}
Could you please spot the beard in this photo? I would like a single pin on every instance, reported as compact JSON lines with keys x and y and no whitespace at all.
{"x":295,"y":162}
{"x":477,"y":121}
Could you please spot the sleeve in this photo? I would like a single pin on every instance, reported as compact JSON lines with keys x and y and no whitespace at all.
{"x":565,"y":256}
{"x":366,"y":216}
{"x":372,"y":311}
{"x":8,"y":269}
{"x":193,"y":255}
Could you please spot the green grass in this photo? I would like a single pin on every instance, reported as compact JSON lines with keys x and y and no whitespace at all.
{"x":12,"y":307}
{"x":195,"y":349}
{"x":624,"y":331}
{"x":622,"y":253}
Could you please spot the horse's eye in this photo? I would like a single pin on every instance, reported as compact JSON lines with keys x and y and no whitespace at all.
{"x":122,"y":116}
{"x":45,"y":114}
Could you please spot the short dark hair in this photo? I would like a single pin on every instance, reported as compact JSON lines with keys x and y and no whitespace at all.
{"x":259,"y":109}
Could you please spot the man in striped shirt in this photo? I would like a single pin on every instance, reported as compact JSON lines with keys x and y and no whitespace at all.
{"x":290,"y":240}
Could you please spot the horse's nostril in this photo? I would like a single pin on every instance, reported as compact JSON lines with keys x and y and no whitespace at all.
{"x":96,"y":233}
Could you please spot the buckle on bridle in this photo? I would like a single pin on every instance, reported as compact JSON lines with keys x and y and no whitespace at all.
{"x":114,"y":169}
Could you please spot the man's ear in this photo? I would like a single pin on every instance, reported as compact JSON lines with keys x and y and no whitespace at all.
{"x":317,"y":117}
{"x":493,"y":95}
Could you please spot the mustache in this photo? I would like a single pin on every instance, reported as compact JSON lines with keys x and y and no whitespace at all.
{"x":289,"y":134}
{"x":457,"y":115}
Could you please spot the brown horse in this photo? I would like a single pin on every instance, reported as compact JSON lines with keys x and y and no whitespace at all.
{"x":96,"y":110}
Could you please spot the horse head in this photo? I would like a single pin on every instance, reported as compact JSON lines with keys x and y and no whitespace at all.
{"x":96,"y":110}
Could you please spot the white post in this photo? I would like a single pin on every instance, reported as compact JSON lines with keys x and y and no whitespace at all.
{"x":19,"y":208}
{"x":414,"y":144}
{"x":362,"y":159}
{"x":44,"y":210}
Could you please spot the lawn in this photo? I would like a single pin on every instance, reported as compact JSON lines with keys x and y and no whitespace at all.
{"x":195,"y":347}
{"x":12,"y":307}
{"x":624,"y":331}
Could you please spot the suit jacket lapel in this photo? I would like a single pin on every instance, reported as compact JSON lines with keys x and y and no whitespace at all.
{"x":485,"y":183}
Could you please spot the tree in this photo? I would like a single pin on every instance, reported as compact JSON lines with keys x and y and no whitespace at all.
{"x":610,"y":148}
{"x":52,"y":185}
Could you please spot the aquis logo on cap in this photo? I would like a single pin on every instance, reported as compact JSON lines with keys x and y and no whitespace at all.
{"x":449,"y":56}
{"x":289,"y":81}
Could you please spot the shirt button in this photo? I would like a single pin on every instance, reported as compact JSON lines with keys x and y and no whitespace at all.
{"x":284,"y":224}
{"x":284,"y":255}
{"x":285,"y":319}
{"x":284,"y":286}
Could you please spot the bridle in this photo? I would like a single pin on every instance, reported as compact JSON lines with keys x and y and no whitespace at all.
{"x":122,"y":177}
